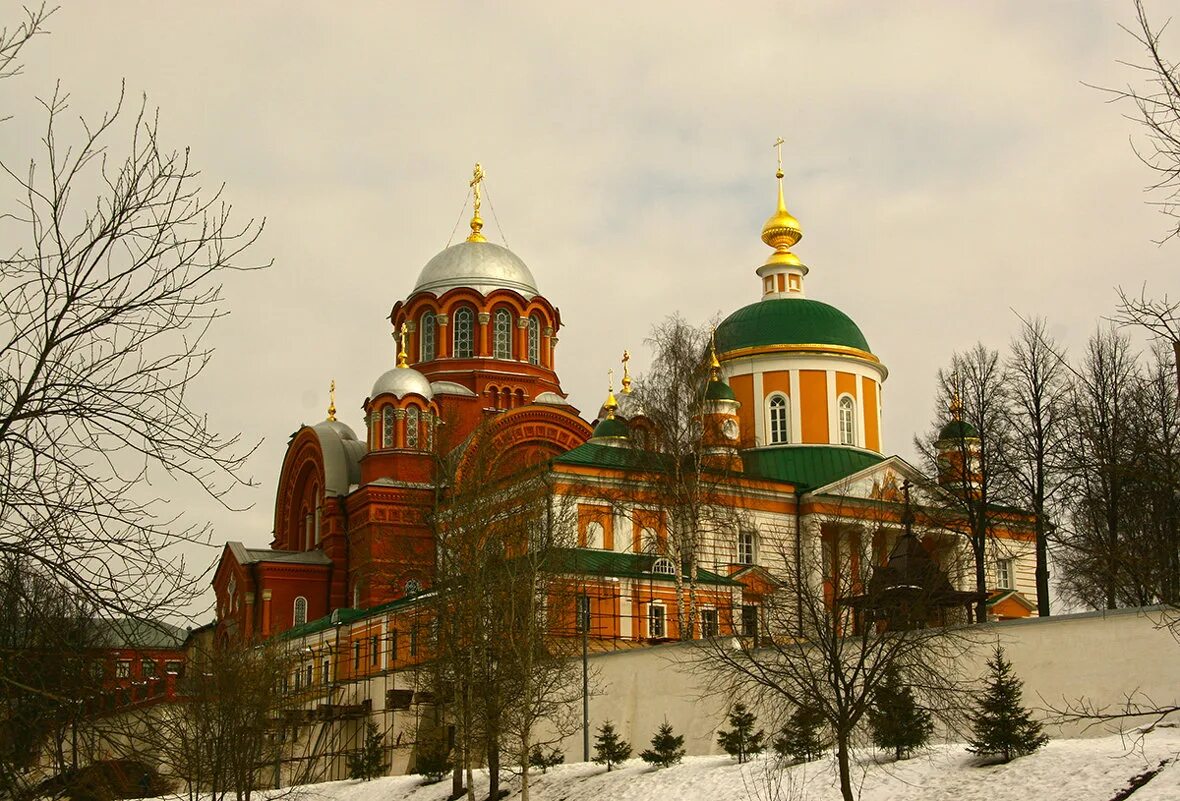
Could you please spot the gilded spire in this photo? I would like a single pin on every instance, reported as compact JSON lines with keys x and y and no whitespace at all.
{"x":611,"y":403}
{"x":714,"y":365}
{"x":476,"y":220}
{"x":332,"y":402}
{"x":782,"y":230}
{"x":626,"y":373}
{"x":402,"y":356}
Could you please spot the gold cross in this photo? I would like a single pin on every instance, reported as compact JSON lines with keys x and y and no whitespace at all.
{"x":778,"y":145}
{"x":332,"y":402}
{"x":400,"y":336}
{"x":476,"y":180}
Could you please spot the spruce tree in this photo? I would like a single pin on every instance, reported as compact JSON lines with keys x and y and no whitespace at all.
{"x":667,"y":748}
{"x":433,"y":760}
{"x":539,"y":759}
{"x":896,"y":722}
{"x":801,"y":739}
{"x":609,"y":749}
{"x":368,"y":761}
{"x":1003,"y":727}
{"x":742,"y":741}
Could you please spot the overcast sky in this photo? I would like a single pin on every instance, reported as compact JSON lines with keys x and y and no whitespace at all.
{"x":945,"y":160}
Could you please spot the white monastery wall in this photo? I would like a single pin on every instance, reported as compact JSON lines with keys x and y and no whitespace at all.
{"x":1101,"y":657}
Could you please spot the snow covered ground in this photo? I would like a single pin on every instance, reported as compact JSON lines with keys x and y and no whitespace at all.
{"x":1094,"y":769}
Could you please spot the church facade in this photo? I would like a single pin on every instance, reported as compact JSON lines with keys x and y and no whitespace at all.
{"x":794,"y":399}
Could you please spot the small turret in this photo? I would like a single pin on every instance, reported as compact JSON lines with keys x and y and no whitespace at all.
{"x":720,"y":427}
{"x":958,"y":446}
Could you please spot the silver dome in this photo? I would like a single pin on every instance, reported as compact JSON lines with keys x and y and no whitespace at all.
{"x":401,"y":381}
{"x":342,"y":456}
{"x":483,"y":266}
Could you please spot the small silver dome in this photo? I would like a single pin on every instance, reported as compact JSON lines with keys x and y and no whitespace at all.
{"x":401,"y":381}
{"x":483,"y":266}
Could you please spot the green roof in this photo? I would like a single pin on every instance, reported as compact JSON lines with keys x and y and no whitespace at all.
{"x":807,"y":466}
{"x":595,"y":454}
{"x":611,"y":427}
{"x":326,"y":622}
{"x":719,"y":390}
{"x":788,"y":321}
{"x":958,"y":429}
{"x":592,"y":562}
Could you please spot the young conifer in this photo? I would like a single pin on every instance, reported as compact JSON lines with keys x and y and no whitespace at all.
{"x":433,"y":759}
{"x":368,"y":761}
{"x":802,"y":737}
{"x":896,"y":722}
{"x":1003,"y":727}
{"x":609,"y":748}
{"x":741,"y":741}
{"x":667,"y":748}
{"x":540,"y":759}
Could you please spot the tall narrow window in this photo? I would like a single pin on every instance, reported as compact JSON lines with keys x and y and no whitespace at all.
{"x":655,"y":621}
{"x":709,"y":626}
{"x":374,"y":650}
{"x":356,"y":655}
{"x":847,"y":419}
{"x":326,"y":671}
{"x":387,"y":428}
{"x":594,"y":532}
{"x":412,"y":427}
{"x":779,"y":428}
{"x":534,"y":339}
{"x":464,"y":325}
{"x":502,"y":334}
{"x":426,"y":348}
{"x":1006,"y":574}
{"x":746,"y":545}
{"x":749,"y":621}
{"x":300,"y":611}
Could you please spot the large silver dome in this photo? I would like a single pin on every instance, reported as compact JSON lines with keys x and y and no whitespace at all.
{"x":400,"y":381}
{"x":483,"y":266}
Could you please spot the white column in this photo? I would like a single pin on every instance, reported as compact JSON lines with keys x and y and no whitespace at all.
{"x":861,"y":413}
{"x":796,"y":407}
{"x":760,"y":437}
{"x":833,"y":423}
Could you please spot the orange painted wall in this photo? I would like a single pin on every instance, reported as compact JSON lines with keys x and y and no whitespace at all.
{"x":813,"y":405}
{"x":778,"y":381}
{"x":743,"y":389}
{"x":845,"y":383}
{"x":870,"y":402}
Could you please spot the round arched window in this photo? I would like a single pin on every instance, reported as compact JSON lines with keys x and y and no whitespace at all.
{"x":464,"y":325}
{"x":664,"y":567}
{"x":847,"y":420}
{"x":502,"y":334}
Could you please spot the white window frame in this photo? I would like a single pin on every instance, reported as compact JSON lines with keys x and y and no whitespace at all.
{"x":427,"y":337}
{"x":663,"y":567}
{"x":652,"y":619}
{"x":502,"y":334}
{"x":779,"y":434}
{"x":1006,"y":574}
{"x":295,"y":609}
{"x":846,"y":419}
{"x":464,"y":333}
{"x":747,"y":547}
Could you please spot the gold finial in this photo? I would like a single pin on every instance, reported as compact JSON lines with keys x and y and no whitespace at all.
{"x":714,"y":365}
{"x":781,"y":231}
{"x":611,"y":403}
{"x":626,"y":373}
{"x":476,"y":220}
{"x":332,"y":402}
{"x":956,"y":404}
{"x":402,"y":356}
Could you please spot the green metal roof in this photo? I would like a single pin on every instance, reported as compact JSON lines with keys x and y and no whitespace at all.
{"x":595,"y":454}
{"x":592,"y":562}
{"x":611,"y":427}
{"x":719,"y":390}
{"x":326,"y":622}
{"x":958,"y":429}
{"x":807,"y":466}
{"x":788,"y":321}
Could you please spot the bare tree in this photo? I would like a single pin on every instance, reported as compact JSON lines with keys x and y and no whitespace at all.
{"x":831,"y":638}
{"x":1159,"y":318}
{"x":1035,"y":413}
{"x":106,"y":298}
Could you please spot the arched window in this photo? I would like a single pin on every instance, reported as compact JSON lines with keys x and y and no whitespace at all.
{"x":412,"y":427}
{"x":847,"y":420}
{"x":428,"y":421}
{"x":594,"y":533}
{"x":502,"y":334}
{"x":426,"y":350}
{"x":780,"y":429}
{"x":534,"y":339}
{"x":464,"y":325}
{"x":300,"y":611}
{"x":664,"y":567}
{"x":412,"y":588}
{"x":387,"y":427}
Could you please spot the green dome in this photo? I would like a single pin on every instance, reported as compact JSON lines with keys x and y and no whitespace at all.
{"x":958,"y":429}
{"x":788,"y":321}
{"x":719,"y":390}
{"x":611,"y":427}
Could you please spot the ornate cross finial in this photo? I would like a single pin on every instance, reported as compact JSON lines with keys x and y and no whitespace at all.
{"x":626,"y":373}
{"x":332,"y":402}
{"x":400,"y":336}
{"x":778,"y":145}
{"x":611,"y":404}
{"x":956,"y":405}
{"x":714,"y":365}
{"x":476,"y":220}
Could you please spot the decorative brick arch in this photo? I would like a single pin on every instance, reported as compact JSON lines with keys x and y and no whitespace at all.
{"x":303,"y":471}
{"x":526,"y":436}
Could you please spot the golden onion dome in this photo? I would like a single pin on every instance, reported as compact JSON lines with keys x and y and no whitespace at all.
{"x":782,"y":231}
